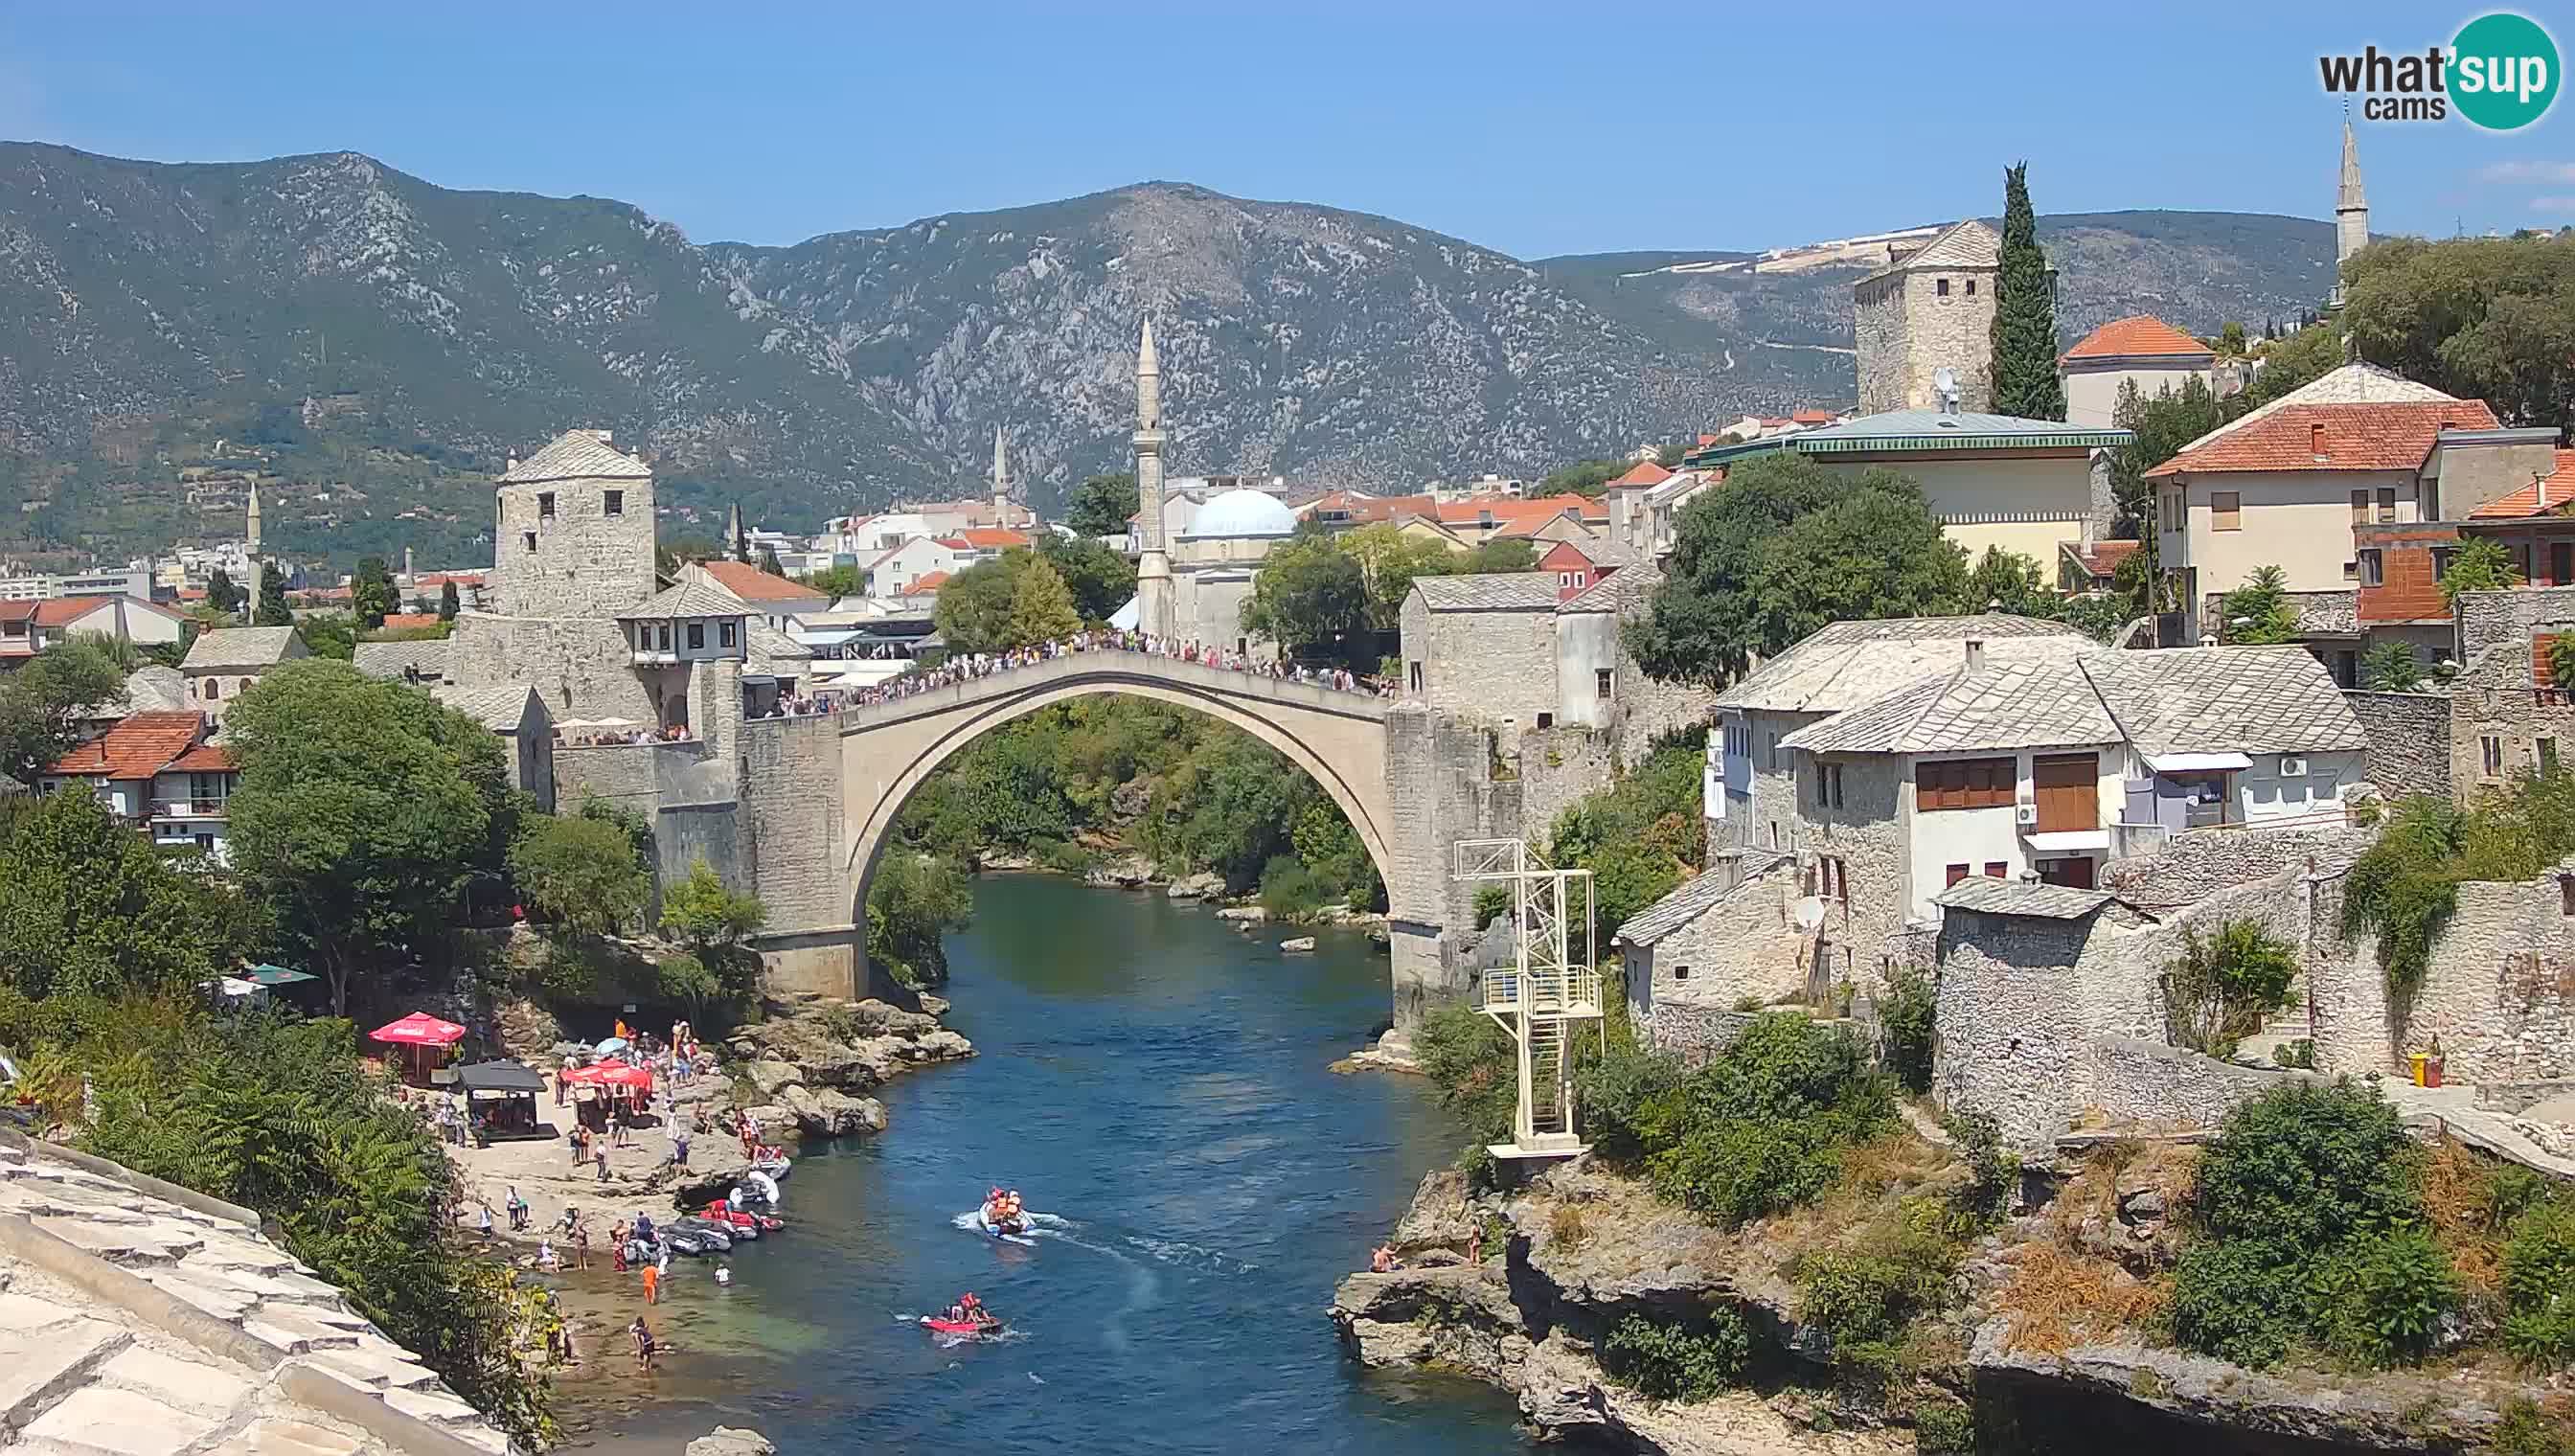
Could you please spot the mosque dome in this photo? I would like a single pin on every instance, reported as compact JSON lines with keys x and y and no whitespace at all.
{"x":1244,"y":513}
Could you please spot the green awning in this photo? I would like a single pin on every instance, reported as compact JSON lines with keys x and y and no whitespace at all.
{"x":275,"y":976}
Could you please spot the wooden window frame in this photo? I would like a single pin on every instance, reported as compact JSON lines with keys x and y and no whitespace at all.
{"x":1956,"y":783}
{"x":2222,"y":516}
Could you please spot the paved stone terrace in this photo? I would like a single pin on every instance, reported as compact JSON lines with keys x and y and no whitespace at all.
{"x":1111,"y":665}
{"x":139,"y":1319}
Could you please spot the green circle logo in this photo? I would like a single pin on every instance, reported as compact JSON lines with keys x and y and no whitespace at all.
{"x":2503,"y":71}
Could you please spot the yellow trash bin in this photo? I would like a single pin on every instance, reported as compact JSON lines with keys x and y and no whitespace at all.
{"x":2418,"y":1063}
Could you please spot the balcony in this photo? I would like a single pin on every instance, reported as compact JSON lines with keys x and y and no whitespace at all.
{"x":211,"y":808}
{"x":1574,"y":992}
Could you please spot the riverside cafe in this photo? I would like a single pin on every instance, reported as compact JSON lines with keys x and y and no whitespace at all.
{"x":606,"y":1089}
{"x":500,"y":1101}
{"x":427,"y":1047}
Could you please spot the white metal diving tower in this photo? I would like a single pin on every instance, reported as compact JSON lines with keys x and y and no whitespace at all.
{"x":1545,"y":995}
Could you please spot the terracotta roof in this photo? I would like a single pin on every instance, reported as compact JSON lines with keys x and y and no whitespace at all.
{"x":1505,"y":508}
{"x":138,"y":748}
{"x":927,"y":582}
{"x":405,"y":621}
{"x":1523,"y":527}
{"x":2546,"y":496}
{"x":205,"y":758}
{"x":1812,"y":417}
{"x":64,"y":610}
{"x":2136,"y":335}
{"x":985,"y":538}
{"x":751,"y":584}
{"x":192,"y":594}
{"x":2102,"y":557}
{"x":2373,"y":437}
{"x":20,"y":611}
{"x":1643,"y":472}
{"x":578,"y":455}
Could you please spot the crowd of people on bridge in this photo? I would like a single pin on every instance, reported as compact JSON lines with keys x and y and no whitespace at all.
{"x":971,"y":667}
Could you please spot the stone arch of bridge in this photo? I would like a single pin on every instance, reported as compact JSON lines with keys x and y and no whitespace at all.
{"x":885,"y":763}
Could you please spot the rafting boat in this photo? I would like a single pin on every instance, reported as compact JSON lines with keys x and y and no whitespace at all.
{"x":960,"y":1326}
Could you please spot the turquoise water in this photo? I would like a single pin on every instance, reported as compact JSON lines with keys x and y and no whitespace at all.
{"x":1159,"y":1082}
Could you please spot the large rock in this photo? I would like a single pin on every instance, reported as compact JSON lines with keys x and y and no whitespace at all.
{"x":942,"y":1045}
{"x":829,"y":1113}
{"x":731,"y":1441}
{"x":770,"y":1075}
{"x":1454,"y":1316}
{"x":1439,"y":1216}
{"x":1199,"y":887}
{"x":1244,"y":915}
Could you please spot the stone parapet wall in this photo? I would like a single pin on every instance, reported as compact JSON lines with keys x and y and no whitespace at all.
{"x":1695,"y":1034}
{"x":2191,"y":867}
{"x":2141,"y":1083}
{"x":2499,"y":994}
{"x":2488,"y":620}
{"x":2409,"y":740}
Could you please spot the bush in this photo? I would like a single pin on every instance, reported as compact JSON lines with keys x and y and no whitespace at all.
{"x":2229,"y":1300}
{"x":2219,"y":989}
{"x":1905,"y":1014}
{"x":1612,"y":1092}
{"x":1738,"y":1170}
{"x":1475,"y":1065}
{"x":2539,"y":1287}
{"x":2306,"y":1165}
{"x":2378,"y":1300}
{"x":1944,"y":1430}
{"x":1671,"y":1362}
{"x":1493,"y":903}
{"x":1290,"y":891}
{"x":2526,"y":1430}
{"x":579,"y":874}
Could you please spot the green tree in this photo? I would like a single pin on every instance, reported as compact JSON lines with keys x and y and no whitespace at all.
{"x":2230,"y":342}
{"x":2479,"y":565}
{"x":706,"y":914}
{"x":2006,"y":581}
{"x":2481,"y":318}
{"x":2025,"y":329}
{"x":1503,"y":553}
{"x":43,"y":704}
{"x":769,"y":561}
{"x":579,"y":874}
{"x":221,"y":593}
{"x":1100,"y":578}
{"x":272,"y":611}
{"x":2222,"y":985}
{"x":331,"y":634}
{"x":371,"y":592}
{"x":448,"y":603}
{"x":1310,"y":596}
{"x":1100,"y":505}
{"x":836,"y":582}
{"x":2391,"y":667}
{"x":1040,"y":609}
{"x":1875,"y":551}
{"x":1390,"y":561}
{"x":973,"y":611}
{"x":1582,"y":478}
{"x":366,"y":812}
{"x":2306,"y":356}
{"x":2258,"y":612}
{"x":89,"y":907}
{"x":1670,"y":456}
{"x":913,"y":901}
{"x":2162,"y":424}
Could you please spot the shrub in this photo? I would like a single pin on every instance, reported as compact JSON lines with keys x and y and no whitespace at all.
{"x":1993,"y":1171}
{"x":1671,"y":1362}
{"x":2526,"y":1430}
{"x":1612,"y":1092}
{"x":1473,"y":1064}
{"x":1742,"y":1168}
{"x":2306,"y":1165}
{"x":1944,"y":1430}
{"x":2378,"y":1300}
{"x":1566,"y":1228}
{"x":1493,"y":903}
{"x":1862,"y":1302}
{"x":1290,"y":891}
{"x":2229,"y":1300}
{"x":1905,"y":1015}
{"x":2539,"y":1287}
{"x":2219,"y":989}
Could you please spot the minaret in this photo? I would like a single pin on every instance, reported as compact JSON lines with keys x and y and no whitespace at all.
{"x":251,"y":551}
{"x":735,"y":541}
{"x":1001,"y":479}
{"x":1152,"y":567}
{"x":2351,"y":211}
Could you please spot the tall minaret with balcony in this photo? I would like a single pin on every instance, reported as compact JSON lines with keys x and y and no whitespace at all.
{"x":1001,"y":478}
{"x":250,"y":552}
{"x":1154,"y":565}
{"x":2351,"y":211}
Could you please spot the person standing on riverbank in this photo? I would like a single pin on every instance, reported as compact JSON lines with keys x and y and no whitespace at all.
{"x":652,"y":1283}
{"x":643,"y":1334}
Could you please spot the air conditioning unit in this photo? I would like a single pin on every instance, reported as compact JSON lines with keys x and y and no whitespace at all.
{"x":2292,"y":767}
{"x":2026,"y":814}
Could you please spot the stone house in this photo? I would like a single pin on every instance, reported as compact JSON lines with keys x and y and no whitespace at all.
{"x":776,"y":601}
{"x":224,"y":663}
{"x":1927,"y":310}
{"x":2026,"y":486}
{"x":517,"y":714}
{"x":1729,"y":936}
{"x":156,"y":771}
{"x":2139,"y":349}
{"x":1750,"y":801}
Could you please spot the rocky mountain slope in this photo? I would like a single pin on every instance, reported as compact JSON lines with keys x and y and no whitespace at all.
{"x":370,"y":343}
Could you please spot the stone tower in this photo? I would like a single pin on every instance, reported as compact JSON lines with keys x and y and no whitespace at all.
{"x":2351,"y":211}
{"x":571,"y":530}
{"x":258,"y":564}
{"x":1153,"y":566}
{"x":1001,"y":478}
{"x":1926,"y":310}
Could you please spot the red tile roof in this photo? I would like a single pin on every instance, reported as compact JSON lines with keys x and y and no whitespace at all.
{"x":64,"y":610}
{"x":2136,"y":335}
{"x":2546,"y":496}
{"x":205,"y":758}
{"x":926,"y":581}
{"x":192,"y":594}
{"x":751,"y":584}
{"x":1643,"y":472}
{"x":22,"y":610}
{"x":2102,"y":557}
{"x":1505,"y":508}
{"x":1812,"y":416}
{"x":402,"y":621}
{"x":138,"y":748}
{"x":987,"y":538}
{"x":2376,"y":436}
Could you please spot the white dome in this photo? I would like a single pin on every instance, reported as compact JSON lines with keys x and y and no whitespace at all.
{"x":1244,"y":513}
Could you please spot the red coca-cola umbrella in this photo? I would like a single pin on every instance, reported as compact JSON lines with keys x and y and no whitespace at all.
{"x":420,"y":1029}
{"x":609,"y":1074}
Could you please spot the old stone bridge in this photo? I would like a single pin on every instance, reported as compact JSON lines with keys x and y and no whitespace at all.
{"x":1351,"y":743}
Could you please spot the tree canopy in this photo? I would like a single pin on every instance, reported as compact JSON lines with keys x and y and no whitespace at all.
{"x":1789,"y":546}
{"x":366,"y":812}
{"x":838,"y":582}
{"x":272,"y":610}
{"x":980,"y":610}
{"x":703,"y":911}
{"x":2491,"y":319}
{"x":371,"y":592}
{"x":1041,"y":609}
{"x":2024,"y":328}
{"x":2258,"y":612}
{"x":42,"y":704}
{"x":448,"y":603}
{"x":1100,"y":505}
{"x":1099,"y":577}
{"x":1310,"y":595}
{"x":221,"y":593}
{"x":90,"y":908}
{"x":580,"y":873}
{"x":1583,"y":476}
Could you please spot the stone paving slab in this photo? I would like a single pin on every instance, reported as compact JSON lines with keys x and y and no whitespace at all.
{"x":374,"y":1368}
{"x":228,"y":1305}
{"x":436,"y":1407}
{"x":20,"y":1313}
{"x":118,"y":1243}
{"x":118,"y":1423}
{"x":270,"y":1436}
{"x":37,"y":1365}
{"x":289,"y":1327}
{"x":202,"y":1389}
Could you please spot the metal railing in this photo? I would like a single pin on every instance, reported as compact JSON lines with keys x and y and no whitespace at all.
{"x":207,"y":807}
{"x":1574,"y":992}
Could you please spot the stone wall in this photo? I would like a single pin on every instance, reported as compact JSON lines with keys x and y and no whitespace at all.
{"x":2495,"y":699}
{"x":2137,"y":1082}
{"x":586,"y":563}
{"x":2489,"y":619}
{"x":683,"y":834}
{"x":1559,"y":767}
{"x":1906,"y":331}
{"x":2014,"y":1022}
{"x":1747,"y":945}
{"x":2191,"y":867}
{"x":1696,"y":1034}
{"x":643,"y":776}
{"x":793,"y":822}
{"x":2409,"y":740}
{"x":2499,"y":994}
{"x":1486,"y":666}
{"x":1878,"y":329}
{"x":582,"y":667}
{"x":1870,"y":835}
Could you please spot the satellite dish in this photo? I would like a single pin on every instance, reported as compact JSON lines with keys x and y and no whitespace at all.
{"x":1945,"y":379}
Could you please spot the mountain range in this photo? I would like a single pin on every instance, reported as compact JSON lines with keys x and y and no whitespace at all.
{"x":370,"y":347}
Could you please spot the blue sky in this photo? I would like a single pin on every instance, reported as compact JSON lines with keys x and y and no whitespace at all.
{"x":1532,"y":129}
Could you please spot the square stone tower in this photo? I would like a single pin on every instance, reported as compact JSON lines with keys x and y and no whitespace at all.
{"x":1925,"y":311}
{"x":572,"y":532}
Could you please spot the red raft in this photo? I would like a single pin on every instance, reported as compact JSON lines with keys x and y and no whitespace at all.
{"x":960,"y":1326}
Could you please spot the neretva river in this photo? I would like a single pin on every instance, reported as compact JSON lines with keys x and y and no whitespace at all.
{"x":1159,"y":1082}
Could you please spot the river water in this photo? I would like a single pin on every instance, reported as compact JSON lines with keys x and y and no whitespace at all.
{"x":1158,"y":1080}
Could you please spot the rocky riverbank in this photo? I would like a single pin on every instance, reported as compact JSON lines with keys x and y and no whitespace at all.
{"x":2032,"y":1348}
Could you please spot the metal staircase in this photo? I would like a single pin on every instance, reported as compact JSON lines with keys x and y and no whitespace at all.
{"x":1546,"y":995}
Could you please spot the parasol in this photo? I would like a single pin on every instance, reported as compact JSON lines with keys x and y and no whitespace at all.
{"x":420,"y":1029}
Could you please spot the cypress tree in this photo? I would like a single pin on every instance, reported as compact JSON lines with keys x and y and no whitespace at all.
{"x":271,"y":609}
{"x":448,"y":603}
{"x":2024,"y":338}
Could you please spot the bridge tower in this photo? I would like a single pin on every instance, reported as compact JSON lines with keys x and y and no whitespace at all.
{"x":1546,"y":998}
